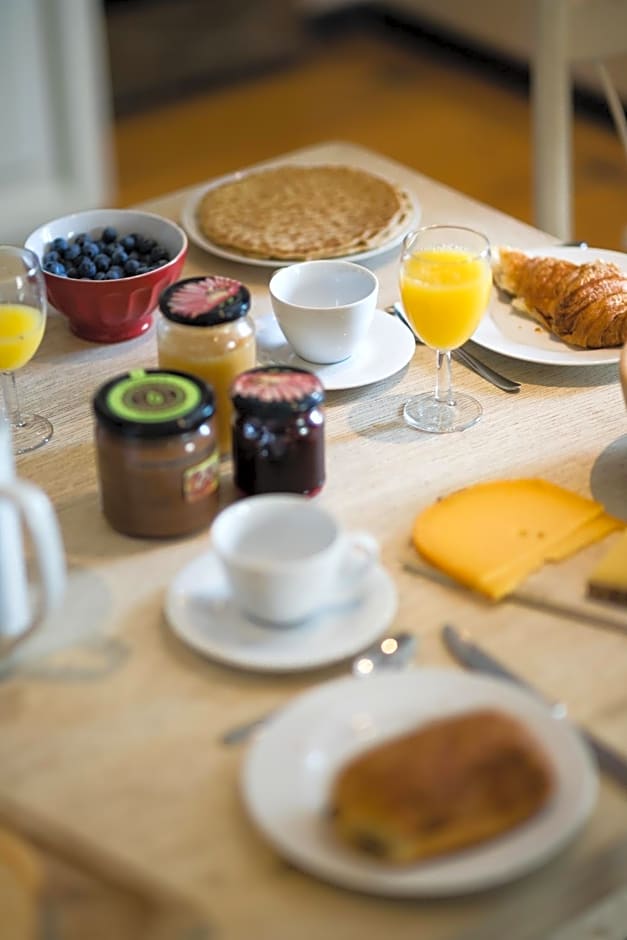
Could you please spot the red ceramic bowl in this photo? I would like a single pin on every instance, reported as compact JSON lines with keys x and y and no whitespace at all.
{"x":116,"y":310}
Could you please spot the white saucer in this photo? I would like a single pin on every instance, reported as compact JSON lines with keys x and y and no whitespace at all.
{"x":200,"y":611}
{"x":386,"y":349}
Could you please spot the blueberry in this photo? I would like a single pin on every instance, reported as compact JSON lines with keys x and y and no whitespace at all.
{"x":72,"y":272}
{"x":99,"y":276}
{"x":158,"y":253}
{"x":119,"y":256}
{"x":109,"y":234}
{"x":142,"y":269}
{"x":54,"y":267}
{"x":81,"y":238}
{"x":109,"y":248}
{"x":131,"y":267}
{"x":60,"y":244}
{"x":90,"y":250}
{"x":128,"y":242}
{"x":87,"y":268}
{"x":102,"y":262}
{"x":72,"y":252}
{"x":51,"y":256}
{"x":144,"y":245}
{"x":113,"y":274}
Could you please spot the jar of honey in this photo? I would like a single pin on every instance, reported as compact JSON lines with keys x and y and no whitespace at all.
{"x":157,"y":453}
{"x":205,"y":329}
{"x":278,"y":431}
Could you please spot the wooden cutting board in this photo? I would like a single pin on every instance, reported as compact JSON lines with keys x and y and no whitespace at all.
{"x":79,"y":892}
{"x":559,"y":589}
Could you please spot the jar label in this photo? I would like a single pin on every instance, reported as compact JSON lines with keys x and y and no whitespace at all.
{"x":201,"y":480}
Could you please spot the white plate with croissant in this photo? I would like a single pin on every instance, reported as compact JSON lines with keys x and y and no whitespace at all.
{"x":557,"y":305}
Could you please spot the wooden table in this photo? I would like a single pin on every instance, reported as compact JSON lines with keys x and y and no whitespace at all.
{"x":125,"y":752}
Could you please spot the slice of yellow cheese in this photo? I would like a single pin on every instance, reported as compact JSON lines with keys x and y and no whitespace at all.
{"x":608,"y":581}
{"x":491,"y":536}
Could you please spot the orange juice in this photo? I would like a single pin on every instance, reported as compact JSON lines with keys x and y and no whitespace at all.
{"x":445,"y":293}
{"x":21,"y":332}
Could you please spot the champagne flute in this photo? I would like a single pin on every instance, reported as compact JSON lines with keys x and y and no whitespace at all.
{"x":445,"y":281}
{"x":22,"y":324}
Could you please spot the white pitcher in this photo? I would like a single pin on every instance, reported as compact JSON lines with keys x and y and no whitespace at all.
{"x":24,"y":508}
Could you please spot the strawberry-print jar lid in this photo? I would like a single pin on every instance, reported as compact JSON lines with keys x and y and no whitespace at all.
{"x":209,"y":300}
{"x":276,"y":391}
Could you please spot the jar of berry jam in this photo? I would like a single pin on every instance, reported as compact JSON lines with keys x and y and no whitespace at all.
{"x":204,"y":328}
{"x":278,"y":431}
{"x":157,"y":453}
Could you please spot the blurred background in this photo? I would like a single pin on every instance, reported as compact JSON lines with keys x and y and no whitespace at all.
{"x":111,"y":102}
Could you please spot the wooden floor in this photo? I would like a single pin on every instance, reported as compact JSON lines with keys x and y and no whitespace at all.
{"x":443,"y":114}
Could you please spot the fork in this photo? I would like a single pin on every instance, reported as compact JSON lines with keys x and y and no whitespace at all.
{"x":462,"y":355}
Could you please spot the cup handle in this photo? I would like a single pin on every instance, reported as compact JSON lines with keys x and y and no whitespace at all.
{"x":361,"y":553}
{"x":41,"y":523}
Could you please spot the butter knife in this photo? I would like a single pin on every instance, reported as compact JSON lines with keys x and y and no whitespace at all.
{"x":464,"y":356}
{"x":473,"y":657}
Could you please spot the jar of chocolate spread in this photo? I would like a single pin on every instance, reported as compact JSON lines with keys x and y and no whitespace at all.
{"x":278,"y":431}
{"x":157,"y":453}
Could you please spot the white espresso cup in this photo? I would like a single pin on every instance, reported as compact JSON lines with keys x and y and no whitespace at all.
{"x":24,"y":508}
{"x":286,"y":558}
{"x":325,"y":308}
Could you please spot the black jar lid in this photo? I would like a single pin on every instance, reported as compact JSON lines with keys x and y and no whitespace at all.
{"x":276,"y":391}
{"x":209,"y":300}
{"x":151,"y":403}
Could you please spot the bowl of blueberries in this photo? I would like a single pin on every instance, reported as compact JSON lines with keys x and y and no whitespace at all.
{"x":105,"y":268}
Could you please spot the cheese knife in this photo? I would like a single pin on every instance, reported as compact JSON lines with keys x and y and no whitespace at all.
{"x":472,"y":656}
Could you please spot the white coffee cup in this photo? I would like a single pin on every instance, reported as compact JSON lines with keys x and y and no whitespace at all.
{"x":325,"y":308}
{"x":25,"y":508}
{"x":285,"y":557}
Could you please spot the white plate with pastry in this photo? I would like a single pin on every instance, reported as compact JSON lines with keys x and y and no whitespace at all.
{"x":510,"y":332}
{"x":312,"y":739}
{"x":260,"y":216}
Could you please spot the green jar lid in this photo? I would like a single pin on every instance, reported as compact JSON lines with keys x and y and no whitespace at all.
{"x":153,"y":403}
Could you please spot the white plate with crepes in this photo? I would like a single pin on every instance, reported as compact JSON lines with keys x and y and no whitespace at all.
{"x":290,"y":767}
{"x":509,"y":332}
{"x":386,"y":349}
{"x":189,"y":221}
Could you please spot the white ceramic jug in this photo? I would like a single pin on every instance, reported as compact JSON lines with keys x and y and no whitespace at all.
{"x":25,"y":509}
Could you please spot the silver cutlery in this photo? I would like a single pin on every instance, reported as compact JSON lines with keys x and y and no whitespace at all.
{"x":474,"y":657}
{"x":462,"y":355}
{"x":393,"y":652}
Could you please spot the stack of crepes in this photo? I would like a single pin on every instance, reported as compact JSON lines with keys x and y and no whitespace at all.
{"x":492,"y":535}
{"x":304,"y":212}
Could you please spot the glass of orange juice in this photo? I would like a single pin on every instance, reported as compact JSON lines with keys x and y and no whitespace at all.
{"x":445,"y":281}
{"x":22,"y":324}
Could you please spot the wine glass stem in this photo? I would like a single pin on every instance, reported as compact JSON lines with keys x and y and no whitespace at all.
{"x":10,"y":405}
{"x":443,"y":384}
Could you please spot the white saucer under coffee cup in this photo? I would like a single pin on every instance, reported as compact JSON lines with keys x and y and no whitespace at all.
{"x":325,"y":308}
{"x":286,"y":557}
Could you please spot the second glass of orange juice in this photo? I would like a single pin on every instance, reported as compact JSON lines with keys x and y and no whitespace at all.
{"x":445,"y":282}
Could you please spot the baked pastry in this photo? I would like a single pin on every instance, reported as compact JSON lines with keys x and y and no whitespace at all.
{"x":20,"y":888}
{"x":303,"y":212}
{"x":452,"y":783}
{"x":583,"y":304}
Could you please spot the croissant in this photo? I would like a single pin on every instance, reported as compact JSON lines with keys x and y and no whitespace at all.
{"x":584,"y":304}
